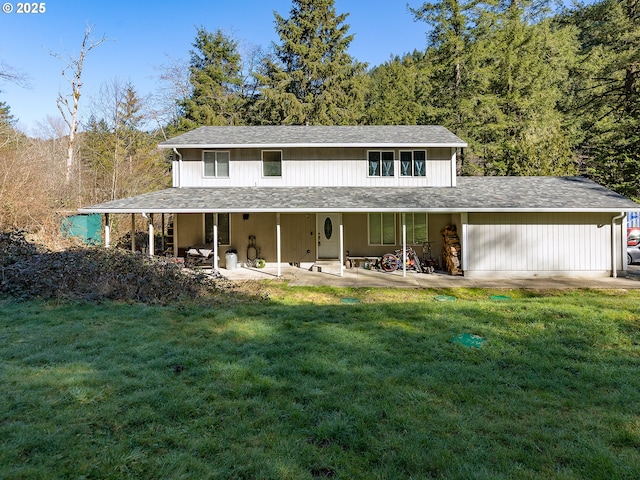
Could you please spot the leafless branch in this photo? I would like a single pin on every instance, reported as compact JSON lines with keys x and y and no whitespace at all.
{"x":10,"y":74}
{"x":68,"y":104}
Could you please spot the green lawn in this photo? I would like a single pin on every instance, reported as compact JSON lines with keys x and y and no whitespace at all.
{"x":304,"y":383}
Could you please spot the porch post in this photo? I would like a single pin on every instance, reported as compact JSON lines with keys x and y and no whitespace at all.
{"x":151,"y":236}
{"x":162,"y":236}
{"x":107,"y":230}
{"x":215,"y":243}
{"x":464,"y":219}
{"x":404,"y":245}
{"x":341,"y":246}
{"x":133,"y":232}
{"x":278,"y":243}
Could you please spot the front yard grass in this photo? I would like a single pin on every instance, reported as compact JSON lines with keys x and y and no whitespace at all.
{"x":306,"y":383}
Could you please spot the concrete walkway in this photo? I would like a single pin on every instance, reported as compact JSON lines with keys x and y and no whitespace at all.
{"x":360,"y":278}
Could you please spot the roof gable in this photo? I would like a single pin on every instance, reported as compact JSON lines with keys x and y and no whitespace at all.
{"x":400,"y":136}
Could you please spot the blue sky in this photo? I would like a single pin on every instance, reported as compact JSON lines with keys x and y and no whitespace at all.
{"x":143,"y":36}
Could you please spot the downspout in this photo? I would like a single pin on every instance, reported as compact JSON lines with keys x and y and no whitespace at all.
{"x":175,"y":150}
{"x":614,"y":260}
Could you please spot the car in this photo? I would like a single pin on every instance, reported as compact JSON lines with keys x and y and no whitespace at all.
{"x":633,"y":254}
{"x":633,"y":236}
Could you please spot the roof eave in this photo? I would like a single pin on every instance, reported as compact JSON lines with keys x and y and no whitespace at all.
{"x":353,"y":210}
{"x":315,"y":145}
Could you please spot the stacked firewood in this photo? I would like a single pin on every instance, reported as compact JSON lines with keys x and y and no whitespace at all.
{"x":452,"y":250}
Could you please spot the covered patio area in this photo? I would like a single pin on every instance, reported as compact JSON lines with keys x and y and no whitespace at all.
{"x":508,"y":227}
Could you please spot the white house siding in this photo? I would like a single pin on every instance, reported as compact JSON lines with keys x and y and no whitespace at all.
{"x":544,"y":244}
{"x":315,"y":167}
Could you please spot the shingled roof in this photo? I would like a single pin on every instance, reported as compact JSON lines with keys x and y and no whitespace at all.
{"x":472,"y":194}
{"x":300,"y":136}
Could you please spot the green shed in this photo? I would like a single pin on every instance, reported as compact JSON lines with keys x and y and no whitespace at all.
{"x":87,"y":227}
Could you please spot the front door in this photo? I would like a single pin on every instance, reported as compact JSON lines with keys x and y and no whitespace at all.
{"x":328,"y":228}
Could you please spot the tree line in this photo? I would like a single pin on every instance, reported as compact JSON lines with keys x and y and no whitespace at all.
{"x":533,"y":90}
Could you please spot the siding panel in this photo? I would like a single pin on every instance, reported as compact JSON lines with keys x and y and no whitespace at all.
{"x":314,"y":167}
{"x":538,"y":243}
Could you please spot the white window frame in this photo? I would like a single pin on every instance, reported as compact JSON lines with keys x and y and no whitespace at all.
{"x":381,"y":152}
{"x":380,"y":241}
{"x":206,"y":233}
{"x":413,"y":164}
{"x":262,"y":162}
{"x":411,"y":231}
{"x":215,"y":163}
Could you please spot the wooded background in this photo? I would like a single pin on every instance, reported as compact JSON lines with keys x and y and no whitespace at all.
{"x":534,"y":89}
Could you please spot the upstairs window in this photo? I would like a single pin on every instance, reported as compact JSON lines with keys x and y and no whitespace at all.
{"x":413,"y":164}
{"x":216,"y":163}
{"x":381,"y":164}
{"x":271,"y":163}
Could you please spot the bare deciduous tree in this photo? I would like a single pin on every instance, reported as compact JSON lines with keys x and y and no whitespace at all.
{"x":68,"y":104}
{"x":10,"y":74}
{"x":174,"y":86}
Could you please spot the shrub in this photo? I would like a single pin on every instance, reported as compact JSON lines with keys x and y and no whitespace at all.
{"x":95,"y":273}
{"x":15,"y":247}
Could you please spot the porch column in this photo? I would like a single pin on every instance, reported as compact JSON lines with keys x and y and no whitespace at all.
{"x":278,"y":243}
{"x":151,"y":236}
{"x":614,"y":254}
{"x":341,"y":246}
{"x":133,"y":232}
{"x":464,"y":219}
{"x":404,"y":245}
{"x":162,"y":236}
{"x":107,"y":230}
{"x":215,"y":243}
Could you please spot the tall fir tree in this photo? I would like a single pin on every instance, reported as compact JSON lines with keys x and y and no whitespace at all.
{"x":398,"y":91}
{"x":524,"y":63}
{"x":497,"y":75}
{"x":311,"y":79}
{"x":448,"y":53}
{"x":216,"y":81}
{"x":606,"y":92}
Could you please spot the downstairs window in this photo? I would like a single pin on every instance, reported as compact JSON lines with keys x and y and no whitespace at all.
{"x":223,"y":228}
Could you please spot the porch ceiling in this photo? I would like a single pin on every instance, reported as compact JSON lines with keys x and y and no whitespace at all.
{"x":472,"y":194}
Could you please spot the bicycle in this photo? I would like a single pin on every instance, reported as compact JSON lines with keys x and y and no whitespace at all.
{"x":393,"y":261}
{"x":430,"y":263}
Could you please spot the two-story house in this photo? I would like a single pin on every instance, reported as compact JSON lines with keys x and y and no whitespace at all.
{"x":300,"y":194}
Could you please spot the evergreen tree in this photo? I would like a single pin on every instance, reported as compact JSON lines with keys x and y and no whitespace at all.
{"x":448,"y":54}
{"x":398,"y":92}
{"x":311,"y":80}
{"x":216,"y":81}
{"x":121,"y":157}
{"x":606,"y":92}
{"x":517,"y":117}
{"x":496,"y":77}
{"x":6,"y":118}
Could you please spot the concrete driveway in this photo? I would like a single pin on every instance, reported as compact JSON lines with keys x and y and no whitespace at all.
{"x":360,"y":277}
